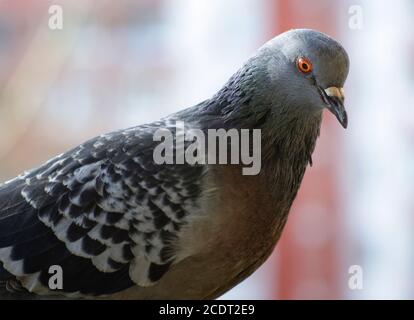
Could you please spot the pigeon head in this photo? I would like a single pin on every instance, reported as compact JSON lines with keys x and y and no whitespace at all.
{"x":303,"y":70}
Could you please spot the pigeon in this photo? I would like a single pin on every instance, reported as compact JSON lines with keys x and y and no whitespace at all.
{"x":105,"y":220}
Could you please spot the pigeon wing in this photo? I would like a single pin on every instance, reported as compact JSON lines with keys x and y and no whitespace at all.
{"x":104,"y":212}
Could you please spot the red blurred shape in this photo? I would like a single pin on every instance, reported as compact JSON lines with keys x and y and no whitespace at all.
{"x":307,"y":264}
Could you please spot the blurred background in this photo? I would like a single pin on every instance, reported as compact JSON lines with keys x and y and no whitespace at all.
{"x":115,"y":64}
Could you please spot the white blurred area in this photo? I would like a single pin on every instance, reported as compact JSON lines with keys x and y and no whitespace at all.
{"x":121,"y":63}
{"x":379,"y":148}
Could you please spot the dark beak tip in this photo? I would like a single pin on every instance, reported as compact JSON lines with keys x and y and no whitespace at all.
{"x":337,"y":108}
{"x":344,"y":120}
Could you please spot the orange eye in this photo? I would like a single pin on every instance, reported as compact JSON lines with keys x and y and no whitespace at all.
{"x":304,"y":65}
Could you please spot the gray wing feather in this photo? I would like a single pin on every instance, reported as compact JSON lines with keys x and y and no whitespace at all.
{"x":105,"y":201}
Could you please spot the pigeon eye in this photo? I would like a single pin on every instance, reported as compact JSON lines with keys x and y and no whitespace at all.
{"x":304,"y":65}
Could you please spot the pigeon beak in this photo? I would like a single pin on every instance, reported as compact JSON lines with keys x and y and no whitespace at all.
{"x":334,"y":98}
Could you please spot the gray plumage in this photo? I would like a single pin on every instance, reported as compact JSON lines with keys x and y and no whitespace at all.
{"x":122,"y":226}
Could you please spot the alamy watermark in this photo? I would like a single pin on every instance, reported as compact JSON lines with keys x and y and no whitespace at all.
{"x":356,"y":278}
{"x":244,"y":144}
{"x":56,"y":278}
{"x":56,"y":17}
{"x":356,"y":17}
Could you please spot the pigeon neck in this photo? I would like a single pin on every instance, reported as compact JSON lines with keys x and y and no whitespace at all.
{"x":287,"y":148}
{"x":291,"y":137}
